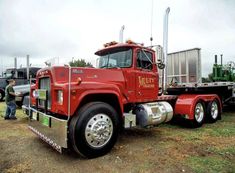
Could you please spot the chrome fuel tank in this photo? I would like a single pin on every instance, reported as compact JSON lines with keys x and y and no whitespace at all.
{"x":153,"y":113}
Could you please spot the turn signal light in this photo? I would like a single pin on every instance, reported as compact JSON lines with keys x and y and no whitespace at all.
{"x":79,"y":80}
{"x":110,"y":43}
{"x":130,"y":42}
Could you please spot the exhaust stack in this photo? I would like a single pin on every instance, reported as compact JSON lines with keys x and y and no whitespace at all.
{"x":15,"y":65}
{"x":165,"y":49}
{"x":27,"y":66}
{"x":121,"y":34}
{"x":215,"y":59}
{"x":221,"y":59}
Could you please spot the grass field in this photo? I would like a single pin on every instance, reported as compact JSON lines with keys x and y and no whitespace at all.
{"x":167,"y":148}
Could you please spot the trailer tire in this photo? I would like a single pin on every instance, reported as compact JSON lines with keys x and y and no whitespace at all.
{"x":213,"y":111}
{"x":2,"y":94}
{"x":93,"y":131}
{"x":199,"y":114}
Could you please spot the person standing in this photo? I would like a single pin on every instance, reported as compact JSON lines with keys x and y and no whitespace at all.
{"x":10,"y":101}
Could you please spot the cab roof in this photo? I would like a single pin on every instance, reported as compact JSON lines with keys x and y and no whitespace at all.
{"x":120,"y":45}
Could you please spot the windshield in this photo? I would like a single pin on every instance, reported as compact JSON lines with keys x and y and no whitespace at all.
{"x":118,"y":58}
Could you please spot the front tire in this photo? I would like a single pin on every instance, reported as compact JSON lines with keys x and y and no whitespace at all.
{"x":93,"y":131}
{"x":199,"y":114}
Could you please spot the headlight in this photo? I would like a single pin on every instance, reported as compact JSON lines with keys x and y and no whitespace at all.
{"x":60,"y":97}
{"x":35,"y":93}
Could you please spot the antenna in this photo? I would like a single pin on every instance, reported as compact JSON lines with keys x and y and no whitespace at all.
{"x":151,"y":25}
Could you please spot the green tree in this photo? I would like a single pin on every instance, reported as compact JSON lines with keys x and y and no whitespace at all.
{"x":80,"y":63}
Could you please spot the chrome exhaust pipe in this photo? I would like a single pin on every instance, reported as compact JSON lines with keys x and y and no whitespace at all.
{"x":121,"y":34}
{"x":165,"y":49}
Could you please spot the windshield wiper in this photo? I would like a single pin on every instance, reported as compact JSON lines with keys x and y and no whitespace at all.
{"x":109,"y":66}
{"x":114,"y":67}
{"x":103,"y":66}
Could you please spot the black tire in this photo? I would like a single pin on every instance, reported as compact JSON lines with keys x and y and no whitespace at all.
{"x":81,"y":140}
{"x":2,"y":95}
{"x":198,"y":119}
{"x":213,"y":111}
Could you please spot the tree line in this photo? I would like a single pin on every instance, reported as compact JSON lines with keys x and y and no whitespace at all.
{"x":80,"y":63}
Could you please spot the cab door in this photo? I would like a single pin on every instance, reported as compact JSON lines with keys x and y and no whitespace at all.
{"x":146,"y":76}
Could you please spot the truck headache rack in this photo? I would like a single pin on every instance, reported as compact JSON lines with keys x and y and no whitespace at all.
{"x":50,"y":129}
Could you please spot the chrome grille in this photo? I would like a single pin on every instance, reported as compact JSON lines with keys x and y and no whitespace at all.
{"x":45,"y":83}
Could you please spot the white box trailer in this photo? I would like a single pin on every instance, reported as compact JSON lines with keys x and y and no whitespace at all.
{"x":184,"y":66}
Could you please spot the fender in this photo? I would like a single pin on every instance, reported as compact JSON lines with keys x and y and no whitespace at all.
{"x":185,"y":103}
{"x":89,"y":88}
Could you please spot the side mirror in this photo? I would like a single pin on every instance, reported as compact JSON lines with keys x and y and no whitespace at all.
{"x":159,"y":55}
{"x":33,"y":81}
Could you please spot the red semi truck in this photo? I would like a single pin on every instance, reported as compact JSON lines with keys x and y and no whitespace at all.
{"x":85,"y":108}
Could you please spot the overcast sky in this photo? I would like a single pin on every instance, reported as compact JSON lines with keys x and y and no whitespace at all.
{"x":74,"y":28}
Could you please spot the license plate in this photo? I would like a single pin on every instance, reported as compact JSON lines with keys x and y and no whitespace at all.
{"x":46,"y":121}
{"x":35,"y":116}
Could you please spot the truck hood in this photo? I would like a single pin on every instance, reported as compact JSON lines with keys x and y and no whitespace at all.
{"x":61,"y":75}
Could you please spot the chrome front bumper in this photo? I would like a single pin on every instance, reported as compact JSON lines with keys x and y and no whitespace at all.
{"x":50,"y":129}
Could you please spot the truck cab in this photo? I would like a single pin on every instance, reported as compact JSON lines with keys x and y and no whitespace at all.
{"x":138,"y":66}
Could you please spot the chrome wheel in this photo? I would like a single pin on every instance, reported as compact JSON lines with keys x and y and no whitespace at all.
{"x":199,"y":112}
{"x":214,"y":110}
{"x":99,"y":130}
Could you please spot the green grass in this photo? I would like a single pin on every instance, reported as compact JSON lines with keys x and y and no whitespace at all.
{"x":218,"y":158}
{"x":211,"y":164}
{"x":19,"y":112}
{"x":2,"y":109}
{"x":225,"y":152}
{"x":15,"y":131}
{"x":229,"y":131}
{"x":211,"y":149}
